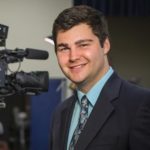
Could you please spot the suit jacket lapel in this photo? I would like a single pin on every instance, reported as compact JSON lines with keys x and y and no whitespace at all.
{"x":101,"y":112}
{"x":66,"y":120}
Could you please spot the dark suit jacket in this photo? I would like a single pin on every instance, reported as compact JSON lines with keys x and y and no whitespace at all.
{"x":120,"y":120}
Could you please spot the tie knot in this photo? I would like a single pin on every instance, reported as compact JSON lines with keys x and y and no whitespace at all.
{"x":84,"y":101}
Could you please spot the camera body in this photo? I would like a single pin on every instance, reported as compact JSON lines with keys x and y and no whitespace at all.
{"x":20,"y":82}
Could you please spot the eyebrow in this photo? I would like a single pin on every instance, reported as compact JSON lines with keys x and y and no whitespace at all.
{"x":82,"y":41}
{"x":76,"y":43}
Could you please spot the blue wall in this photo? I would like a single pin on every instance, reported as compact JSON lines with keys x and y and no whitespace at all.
{"x":42,"y":107}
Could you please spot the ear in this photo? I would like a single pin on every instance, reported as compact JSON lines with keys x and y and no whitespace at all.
{"x":106,"y":46}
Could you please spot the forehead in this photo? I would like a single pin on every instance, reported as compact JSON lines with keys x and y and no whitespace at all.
{"x":74,"y":34}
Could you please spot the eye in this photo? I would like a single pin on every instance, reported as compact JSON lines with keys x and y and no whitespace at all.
{"x":84,"y":45}
{"x":62,"y":49}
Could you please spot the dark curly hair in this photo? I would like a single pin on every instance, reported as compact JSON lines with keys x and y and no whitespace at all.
{"x":81,"y":14}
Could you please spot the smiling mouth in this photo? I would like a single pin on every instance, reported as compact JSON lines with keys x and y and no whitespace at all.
{"x":77,"y":67}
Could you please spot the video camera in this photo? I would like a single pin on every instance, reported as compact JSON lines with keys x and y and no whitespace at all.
{"x":20,"y":82}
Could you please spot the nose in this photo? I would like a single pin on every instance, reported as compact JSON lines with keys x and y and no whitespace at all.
{"x":74,"y":54}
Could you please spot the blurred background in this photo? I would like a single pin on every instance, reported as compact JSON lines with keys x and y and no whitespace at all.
{"x":25,"y":121}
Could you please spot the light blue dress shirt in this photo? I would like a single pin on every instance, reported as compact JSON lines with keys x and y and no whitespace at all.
{"x":92,"y":96}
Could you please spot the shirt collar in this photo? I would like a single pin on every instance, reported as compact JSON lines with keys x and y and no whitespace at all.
{"x":95,"y":91}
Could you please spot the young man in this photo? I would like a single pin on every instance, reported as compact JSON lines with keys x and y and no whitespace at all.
{"x":117,"y":113}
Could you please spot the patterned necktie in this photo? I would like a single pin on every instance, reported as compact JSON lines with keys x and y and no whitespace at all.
{"x":82,"y":121}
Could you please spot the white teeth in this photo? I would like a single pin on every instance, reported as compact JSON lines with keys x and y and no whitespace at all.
{"x":77,"y":67}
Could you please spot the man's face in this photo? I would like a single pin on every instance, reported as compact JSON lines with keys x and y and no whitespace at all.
{"x":81,"y":57}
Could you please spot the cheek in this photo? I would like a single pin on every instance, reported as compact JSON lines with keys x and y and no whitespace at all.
{"x":97,"y":58}
{"x":94,"y":54}
{"x":61,"y":60}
